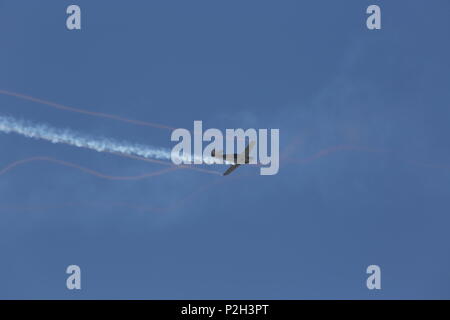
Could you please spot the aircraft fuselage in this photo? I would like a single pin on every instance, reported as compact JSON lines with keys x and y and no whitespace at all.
{"x":234,"y":158}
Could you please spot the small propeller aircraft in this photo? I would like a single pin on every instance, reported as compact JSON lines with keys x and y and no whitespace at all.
{"x":237,"y":158}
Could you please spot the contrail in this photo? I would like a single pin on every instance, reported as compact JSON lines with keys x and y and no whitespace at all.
{"x":66,"y":136}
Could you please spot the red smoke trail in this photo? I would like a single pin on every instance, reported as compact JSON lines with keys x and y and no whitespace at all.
{"x":86,"y":170}
{"x":175,"y":205}
{"x":91,"y":113}
{"x":109,"y":116}
{"x":167,"y":163}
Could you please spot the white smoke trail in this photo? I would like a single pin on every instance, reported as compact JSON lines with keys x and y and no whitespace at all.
{"x":66,"y":136}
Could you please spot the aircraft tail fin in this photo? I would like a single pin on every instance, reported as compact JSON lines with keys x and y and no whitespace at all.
{"x":249,"y":148}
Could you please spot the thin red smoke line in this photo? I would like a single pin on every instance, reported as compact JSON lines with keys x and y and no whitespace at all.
{"x":92,"y":172}
{"x":197,"y":191}
{"x":96,"y":114}
{"x":167,"y":163}
{"x":110,"y":116}
{"x":83,"y":111}
{"x":178,"y":203}
{"x":133,"y":206}
{"x":84,"y":169}
{"x":60,"y":106}
{"x":207,"y":187}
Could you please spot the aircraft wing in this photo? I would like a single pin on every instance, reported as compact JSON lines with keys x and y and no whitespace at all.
{"x":249,"y":147}
{"x":231,"y":169}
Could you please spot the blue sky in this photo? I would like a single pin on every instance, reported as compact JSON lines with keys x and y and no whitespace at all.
{"x":363,"y":118}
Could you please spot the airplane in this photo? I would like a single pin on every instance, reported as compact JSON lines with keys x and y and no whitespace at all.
{"x":237,"y":159}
